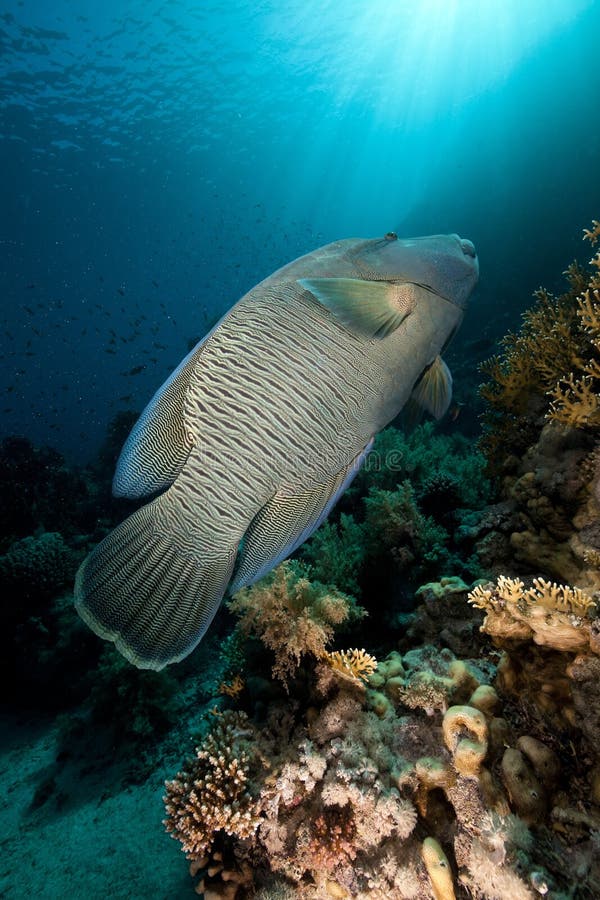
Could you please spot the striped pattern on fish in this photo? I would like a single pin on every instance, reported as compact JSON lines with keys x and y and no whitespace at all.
{"x":261,"y":428}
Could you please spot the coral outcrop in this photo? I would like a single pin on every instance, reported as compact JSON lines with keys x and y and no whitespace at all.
{"x":359,"y":797}
{"x":37,"y":568}
{"x":551,"y":615}
{"x":541,"y":438}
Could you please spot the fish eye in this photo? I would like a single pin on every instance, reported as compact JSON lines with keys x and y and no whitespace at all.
{"x":391,"y":236}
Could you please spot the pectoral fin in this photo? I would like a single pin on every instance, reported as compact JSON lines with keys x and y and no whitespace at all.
{"x":434,"y":391}
{"x":286,"y":521}
{"x":372,"y":309}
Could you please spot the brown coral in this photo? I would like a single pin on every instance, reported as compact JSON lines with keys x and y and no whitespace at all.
{"x":551,"y":367}
{"x":211,"y":794}
{"x":557,"y":616}
{"x":354,"y":665}
{"x":293,"y":616}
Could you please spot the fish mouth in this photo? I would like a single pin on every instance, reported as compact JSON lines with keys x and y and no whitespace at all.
{"x":467,"y":247}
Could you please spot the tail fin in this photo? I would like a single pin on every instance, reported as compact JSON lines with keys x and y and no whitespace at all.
{"x":146,"y":591}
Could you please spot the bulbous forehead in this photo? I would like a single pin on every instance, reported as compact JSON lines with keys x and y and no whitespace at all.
{"x":445,"y":263}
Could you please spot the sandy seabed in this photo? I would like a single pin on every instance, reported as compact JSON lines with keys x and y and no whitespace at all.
{"x":68,"y":830}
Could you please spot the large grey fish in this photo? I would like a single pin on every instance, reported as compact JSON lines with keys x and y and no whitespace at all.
{"x":260,"y":429}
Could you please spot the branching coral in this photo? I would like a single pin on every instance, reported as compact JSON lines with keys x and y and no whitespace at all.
{"x":211,"y":794}
{"x":551,"y":367}
{"x":292,"y":615}
{"x":575,"y":398}
{"x":592,"y":234}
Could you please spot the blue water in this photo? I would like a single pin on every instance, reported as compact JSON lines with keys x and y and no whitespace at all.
{"x":159,"y":158}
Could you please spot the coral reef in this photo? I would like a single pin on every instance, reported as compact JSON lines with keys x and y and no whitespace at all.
{"x":356,"y":799}
{"x":445,"y":746}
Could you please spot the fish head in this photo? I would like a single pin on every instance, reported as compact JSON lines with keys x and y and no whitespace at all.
{"x":445,"y":264}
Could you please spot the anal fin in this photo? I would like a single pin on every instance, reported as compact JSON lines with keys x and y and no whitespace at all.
{"x":286,"y":521}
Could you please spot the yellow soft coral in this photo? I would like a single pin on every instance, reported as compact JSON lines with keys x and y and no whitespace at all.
{"x":551,"y":367}
{"x":292,"y":615}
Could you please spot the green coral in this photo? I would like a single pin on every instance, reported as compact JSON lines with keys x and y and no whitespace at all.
{"x":404,"y":506}
{"x":337,"y":553}
{"x":420,"y":454}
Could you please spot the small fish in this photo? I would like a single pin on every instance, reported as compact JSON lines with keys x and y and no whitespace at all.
{"x":262,"y":427}
{"x":455,"y":410}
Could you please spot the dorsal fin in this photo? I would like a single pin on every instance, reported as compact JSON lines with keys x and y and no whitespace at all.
{"x":434,"y":391}
{"x":159,"y":444}
{"x":372,"y":309}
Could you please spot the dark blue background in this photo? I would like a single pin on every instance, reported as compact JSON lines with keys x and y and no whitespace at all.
{"x":158,"y":159}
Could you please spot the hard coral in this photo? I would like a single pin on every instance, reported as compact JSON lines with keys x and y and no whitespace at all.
{"x":354,"y":665}
{"x":552,"y":615}
{"x":576,"y":400}
{"x":211,"y":794}
{"x":336,"y":812}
